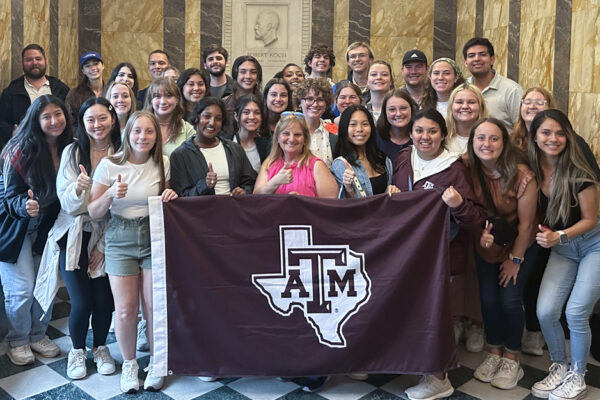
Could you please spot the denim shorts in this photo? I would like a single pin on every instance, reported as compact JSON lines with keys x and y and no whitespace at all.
{"x":127,"y":245}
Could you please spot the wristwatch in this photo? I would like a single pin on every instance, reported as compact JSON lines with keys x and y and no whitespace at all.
{"x":516,"y":260}
{"x":562,"y":238}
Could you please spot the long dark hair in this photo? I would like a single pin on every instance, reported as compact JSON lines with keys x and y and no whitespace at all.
{"x":209,"y":101}
{"x":507,"y":163}
{"x":275,"y":81}
{"x":572,"y":168}
{"x":28,"y":149}
{"x":348,"y":150}
{"x":185,"y":76}
{"x":115,"y":72}
{"x":235,"y":69}
{"x":241,"y":103}
{"x":82,"y":146}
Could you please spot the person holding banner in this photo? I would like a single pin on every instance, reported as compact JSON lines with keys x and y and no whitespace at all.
{"x":360,"y":168}
{"x":568,"y":199}
{"x":29,"y":207}
{"x":427,"y":165}
{"x":291,"y":168}
{"x":504,"y":255}
{"x":122,"y":184}
{"x":207,"y":163}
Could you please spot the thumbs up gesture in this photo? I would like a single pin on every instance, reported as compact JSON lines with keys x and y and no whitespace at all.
{"x":487,"y":239}
{"x":31,"y":205}
{"x":119,"y":189}
{"x":83,"y":181}
{"x":348,"y":178}
{"x":546,"y":237}
{"x":211,"y":177}
{"x":285,"y":175}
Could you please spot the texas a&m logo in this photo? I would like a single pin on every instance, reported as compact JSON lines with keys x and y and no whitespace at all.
{"x":328,"y":283}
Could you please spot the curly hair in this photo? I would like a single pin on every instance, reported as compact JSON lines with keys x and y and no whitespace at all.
{"x":318,"y":86}
{"x":317,"y":50}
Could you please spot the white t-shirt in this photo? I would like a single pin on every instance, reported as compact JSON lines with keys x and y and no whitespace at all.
{"x":216,"y":156}
{"x":457,"y":144}
{"x":442,"y":107}
{"x":253,"y":156}
{"x":143,"y":181}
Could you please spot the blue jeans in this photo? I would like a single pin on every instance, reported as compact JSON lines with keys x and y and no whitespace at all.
{"x":18,"y":280}
{"x":572,"y":276}
{"x":502,"y":307}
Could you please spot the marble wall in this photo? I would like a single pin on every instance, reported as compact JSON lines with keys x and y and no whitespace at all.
{"x":5,"y":42}
{"x":398,"y":26}
{"x":584,"y":81}
{"x":495,"y":28}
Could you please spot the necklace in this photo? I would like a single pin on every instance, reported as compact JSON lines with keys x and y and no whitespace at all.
{"x":101,"y":148}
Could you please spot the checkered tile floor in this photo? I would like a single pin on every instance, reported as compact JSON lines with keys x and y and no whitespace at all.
{"x":46,"y":379}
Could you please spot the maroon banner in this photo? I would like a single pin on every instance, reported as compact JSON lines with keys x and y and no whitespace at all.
{"x":291,"y":286}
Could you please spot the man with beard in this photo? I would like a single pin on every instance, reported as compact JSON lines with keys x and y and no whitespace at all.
{"x":502,"y":95}
{"x":215,"y":61}
{"x":21,"y":92}
{"x":414,"y":73}
{"x":158,"y":60}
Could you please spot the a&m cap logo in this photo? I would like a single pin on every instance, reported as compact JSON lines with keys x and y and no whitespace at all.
{"x":328,"y":283}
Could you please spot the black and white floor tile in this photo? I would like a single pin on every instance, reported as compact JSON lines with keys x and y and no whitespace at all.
{"x":46,"y":379}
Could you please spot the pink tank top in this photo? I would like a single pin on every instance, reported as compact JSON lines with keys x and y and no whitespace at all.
{"x":304,"y":180}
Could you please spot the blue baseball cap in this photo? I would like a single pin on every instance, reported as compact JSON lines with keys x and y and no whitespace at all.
{"x":90,"y":55}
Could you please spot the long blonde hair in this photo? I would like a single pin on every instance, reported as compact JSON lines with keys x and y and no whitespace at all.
{"x":450,"y":121}
{"x":284,"y":122}
{"x":125,"y":151}
{"x":519,"y":136}
{"x":108,"y":93}
{"x":571,"y":170}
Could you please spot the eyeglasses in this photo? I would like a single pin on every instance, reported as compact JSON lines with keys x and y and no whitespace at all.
{"x":354,"y":56}
{"x":528,"y":102}
{"x":290,"y":114}
{"x":310,"y":101}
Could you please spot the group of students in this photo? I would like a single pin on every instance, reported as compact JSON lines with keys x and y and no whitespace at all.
{"x":79,"y":207}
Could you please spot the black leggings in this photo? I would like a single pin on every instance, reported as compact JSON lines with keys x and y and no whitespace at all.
{"x":533,"y":287}
{"x":88,"y":297}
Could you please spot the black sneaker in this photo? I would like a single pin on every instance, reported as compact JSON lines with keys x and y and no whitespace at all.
{"x":315,"y":384}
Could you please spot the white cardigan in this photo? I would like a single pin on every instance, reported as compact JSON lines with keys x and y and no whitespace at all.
{"x":72,"y":219}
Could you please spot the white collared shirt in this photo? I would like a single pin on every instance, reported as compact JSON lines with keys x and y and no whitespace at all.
{"x":33,"y":92}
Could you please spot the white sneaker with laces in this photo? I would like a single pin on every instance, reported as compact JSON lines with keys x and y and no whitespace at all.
{"x":152,"y":382}
{"x":104,"y":361}
{"x":509,"y":373}
{"x":76,"y":368}
{"x":488,"y":368}
{"x":572,"y":388}
{"x":207,"y":378}
{"x":129,"y":377}
{"x":20,"y":355}
{"x":544,"y":387}
{"x":430,"y":388}
{"x":475,"y":340}
{"x":533,"y":344}
{"x":45,"y":347}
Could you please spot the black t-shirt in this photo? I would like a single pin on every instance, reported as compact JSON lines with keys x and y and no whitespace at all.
{"x":379,"y":183}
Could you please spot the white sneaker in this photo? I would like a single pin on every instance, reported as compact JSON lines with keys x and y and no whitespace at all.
{"x":475,"y":340}
{"x":104,"y":362}
{"x":142,"y":340}
{"x":430,"y":388}
{"x":358,"y":377}
{"x":508,"y":375}
{"x":45,"y":347}
{"x":20,"y":355}
{"x":533,"y":343}
{"x":488,"y":368}
{"x":572,"y":388}
{"x":207,"y":378}
{"x":129,"y":377}
{"x":544,"y":387}
{"x":459,"y":331}
{"x":152,"y":382}
{"x":76,"y":368}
